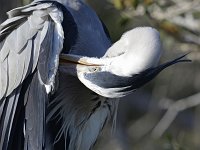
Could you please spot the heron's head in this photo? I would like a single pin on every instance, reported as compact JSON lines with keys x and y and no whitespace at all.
{"x":127,"y":65}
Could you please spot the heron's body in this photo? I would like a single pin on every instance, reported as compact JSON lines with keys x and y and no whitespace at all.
{"x":83,"y":111}
{"x":57,"y":68}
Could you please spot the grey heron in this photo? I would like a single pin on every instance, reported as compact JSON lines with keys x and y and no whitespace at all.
{"x":60,"y":74}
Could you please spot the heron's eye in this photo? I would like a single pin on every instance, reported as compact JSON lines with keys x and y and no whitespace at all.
{"x":95,"y":69}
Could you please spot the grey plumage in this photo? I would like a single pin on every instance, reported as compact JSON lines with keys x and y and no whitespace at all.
{"x":32,"y":36}
{"x":8,"y":107}
{"x":82,"y":112}
{"x":35,"y":111}
{"x":59,"y":74}
{"x":27,"y":49}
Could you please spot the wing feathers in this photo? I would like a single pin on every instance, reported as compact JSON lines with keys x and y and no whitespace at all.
{"x":9,"y":25}
{"x":45,"y":47}
{"x":12,"y":71}
{"x":37,"y":7}
{"x":7,"y":118}
{"x":38,"y":31}
{"x":30,"y":43}
{"x":35,"y":114}
{"x":11,"y":22}
{"x":4,"y":51}
{"x":25,"y":55}
{"x":18,"y":11}
{"x":4,"y":78}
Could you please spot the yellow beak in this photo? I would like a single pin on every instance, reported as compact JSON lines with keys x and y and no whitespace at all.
{"x":79,"y":60}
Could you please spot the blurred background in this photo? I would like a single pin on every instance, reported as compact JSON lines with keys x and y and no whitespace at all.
{"x":165,"y":114}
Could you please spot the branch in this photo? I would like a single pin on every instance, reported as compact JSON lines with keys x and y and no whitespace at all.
{"x":173,"y":111}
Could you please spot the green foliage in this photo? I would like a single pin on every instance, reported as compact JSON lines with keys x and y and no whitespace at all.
{"x":25,"y":2}
{"x":124,"y":4}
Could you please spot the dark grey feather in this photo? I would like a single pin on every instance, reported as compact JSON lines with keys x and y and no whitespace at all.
{"x":7,"y":115}
{"x":35,"y":114}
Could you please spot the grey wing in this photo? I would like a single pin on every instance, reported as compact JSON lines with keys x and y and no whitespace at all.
{"x":30,"y":43}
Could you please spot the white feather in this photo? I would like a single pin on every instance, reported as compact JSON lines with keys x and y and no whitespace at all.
{"x":138,"y":49}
